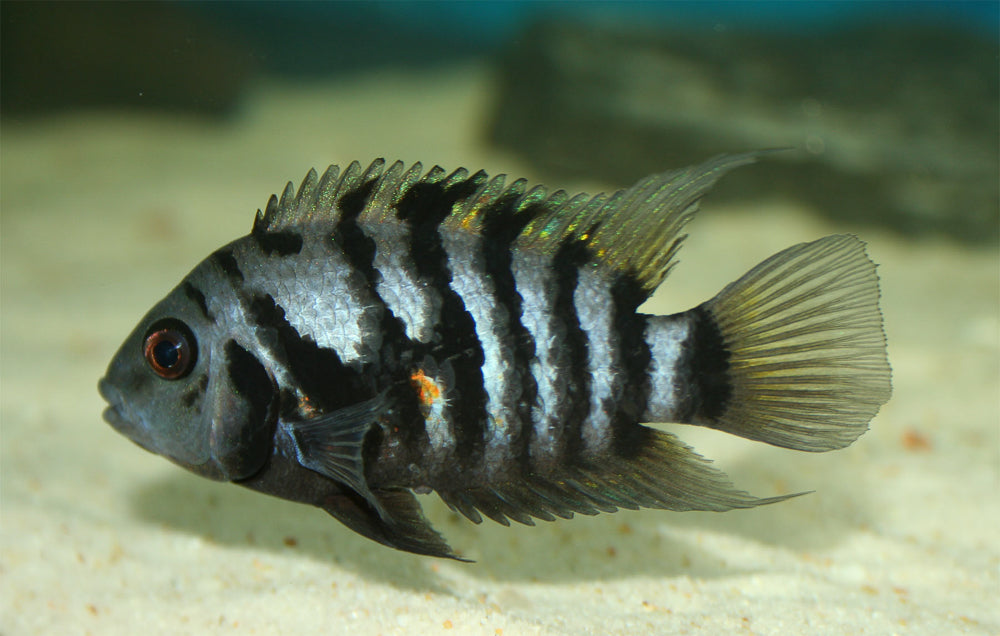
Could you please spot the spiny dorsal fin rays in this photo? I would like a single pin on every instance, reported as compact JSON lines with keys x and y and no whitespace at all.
{"x":566,"y":219}
{"x":395,"y":182}
{"x":636,"y":230}
{"x":325,"y":189}
{"x":469,"y":214}
{"x":316,"y":199}
{"x":640,"y":228}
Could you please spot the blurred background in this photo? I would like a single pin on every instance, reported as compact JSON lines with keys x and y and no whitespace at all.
{"x":891,"y":108}
{"x":137,"y":137}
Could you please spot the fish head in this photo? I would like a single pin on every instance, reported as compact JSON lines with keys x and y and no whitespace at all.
{"x":182,"y":386}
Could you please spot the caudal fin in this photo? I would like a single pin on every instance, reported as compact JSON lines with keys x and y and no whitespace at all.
{"x":806,"y":353}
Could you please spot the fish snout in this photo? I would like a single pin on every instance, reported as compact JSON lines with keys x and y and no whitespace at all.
{"x":113,"y":396}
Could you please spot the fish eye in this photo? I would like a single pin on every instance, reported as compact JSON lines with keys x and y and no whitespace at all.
{"x":170,"y":349}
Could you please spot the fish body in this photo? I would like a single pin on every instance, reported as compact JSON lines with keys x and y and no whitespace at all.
{"x":390,"y":330}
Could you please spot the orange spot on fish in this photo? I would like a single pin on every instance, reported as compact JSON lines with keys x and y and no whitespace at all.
{"x":306,"y":406}
{"x":428,"y":390}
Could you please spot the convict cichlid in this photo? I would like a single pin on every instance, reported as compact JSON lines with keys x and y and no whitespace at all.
{"x":386,"y":331}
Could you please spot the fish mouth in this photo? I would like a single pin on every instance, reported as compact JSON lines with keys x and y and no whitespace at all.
{"x":116,"y":414}
{"x":108,"y":390}
{"x":112,"y":414}
{"x":113,"y":417}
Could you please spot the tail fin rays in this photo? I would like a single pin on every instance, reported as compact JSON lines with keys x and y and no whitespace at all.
{"x":807,"y":354}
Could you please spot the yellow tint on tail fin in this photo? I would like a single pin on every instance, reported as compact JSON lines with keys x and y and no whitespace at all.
{"x":807,"y":354}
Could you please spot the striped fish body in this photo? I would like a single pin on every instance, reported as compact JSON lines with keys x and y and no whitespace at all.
{"x":389,"y":330}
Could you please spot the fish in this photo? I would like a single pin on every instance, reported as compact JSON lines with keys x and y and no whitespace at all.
{"x":389,"y":331}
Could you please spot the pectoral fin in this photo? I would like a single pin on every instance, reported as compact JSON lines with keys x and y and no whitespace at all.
{"x":332,"y":445}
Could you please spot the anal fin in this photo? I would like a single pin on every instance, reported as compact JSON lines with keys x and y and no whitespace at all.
{"x":400,"y":524}
{"x":665,"y":473}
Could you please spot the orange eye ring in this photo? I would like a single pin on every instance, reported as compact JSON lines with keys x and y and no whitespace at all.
{"x":170,"y":349}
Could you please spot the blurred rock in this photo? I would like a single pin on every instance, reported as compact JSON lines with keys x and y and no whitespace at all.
{"x":62,"y":55}
{"x":895,"y":126}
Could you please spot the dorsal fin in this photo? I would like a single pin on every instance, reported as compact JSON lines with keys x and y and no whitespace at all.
{"x":636,"y":231}
{"x":317,"y":199}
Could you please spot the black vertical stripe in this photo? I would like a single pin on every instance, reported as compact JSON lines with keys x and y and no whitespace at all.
{"x":707,"y":366}
{"x":635,"y":355}
{"x":503,"y":223}
{"x":316,"y":370}
{"x":249,"y":380}
{"x":198,"y":297}
{"x":243,"y":420}
{"x":280,"y":243}
{"x":352,"y":202}
{"x":395,"y":364}
{"x":567,"y":261}
{"x":424,"y":206}
{"x":226,"y":262}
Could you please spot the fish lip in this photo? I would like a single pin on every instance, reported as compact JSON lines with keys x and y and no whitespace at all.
{"x":116,"y":413}
{"x":112,"y":414}
{"x":108,"y":391}
{"x":113,"y":417}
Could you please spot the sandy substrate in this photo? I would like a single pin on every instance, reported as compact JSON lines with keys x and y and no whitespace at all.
{"x":101,"y":215}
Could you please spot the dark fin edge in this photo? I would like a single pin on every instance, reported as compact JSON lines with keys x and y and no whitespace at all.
{"x":404,"y":528}
{"x":665,"y":474}
{"x":808,"y":367}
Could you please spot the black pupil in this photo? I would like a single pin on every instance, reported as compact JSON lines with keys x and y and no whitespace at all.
{"x":167,"y":353}
{"x":170,"y":349}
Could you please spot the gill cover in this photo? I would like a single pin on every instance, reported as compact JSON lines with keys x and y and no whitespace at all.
{"x":243,"y":406}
